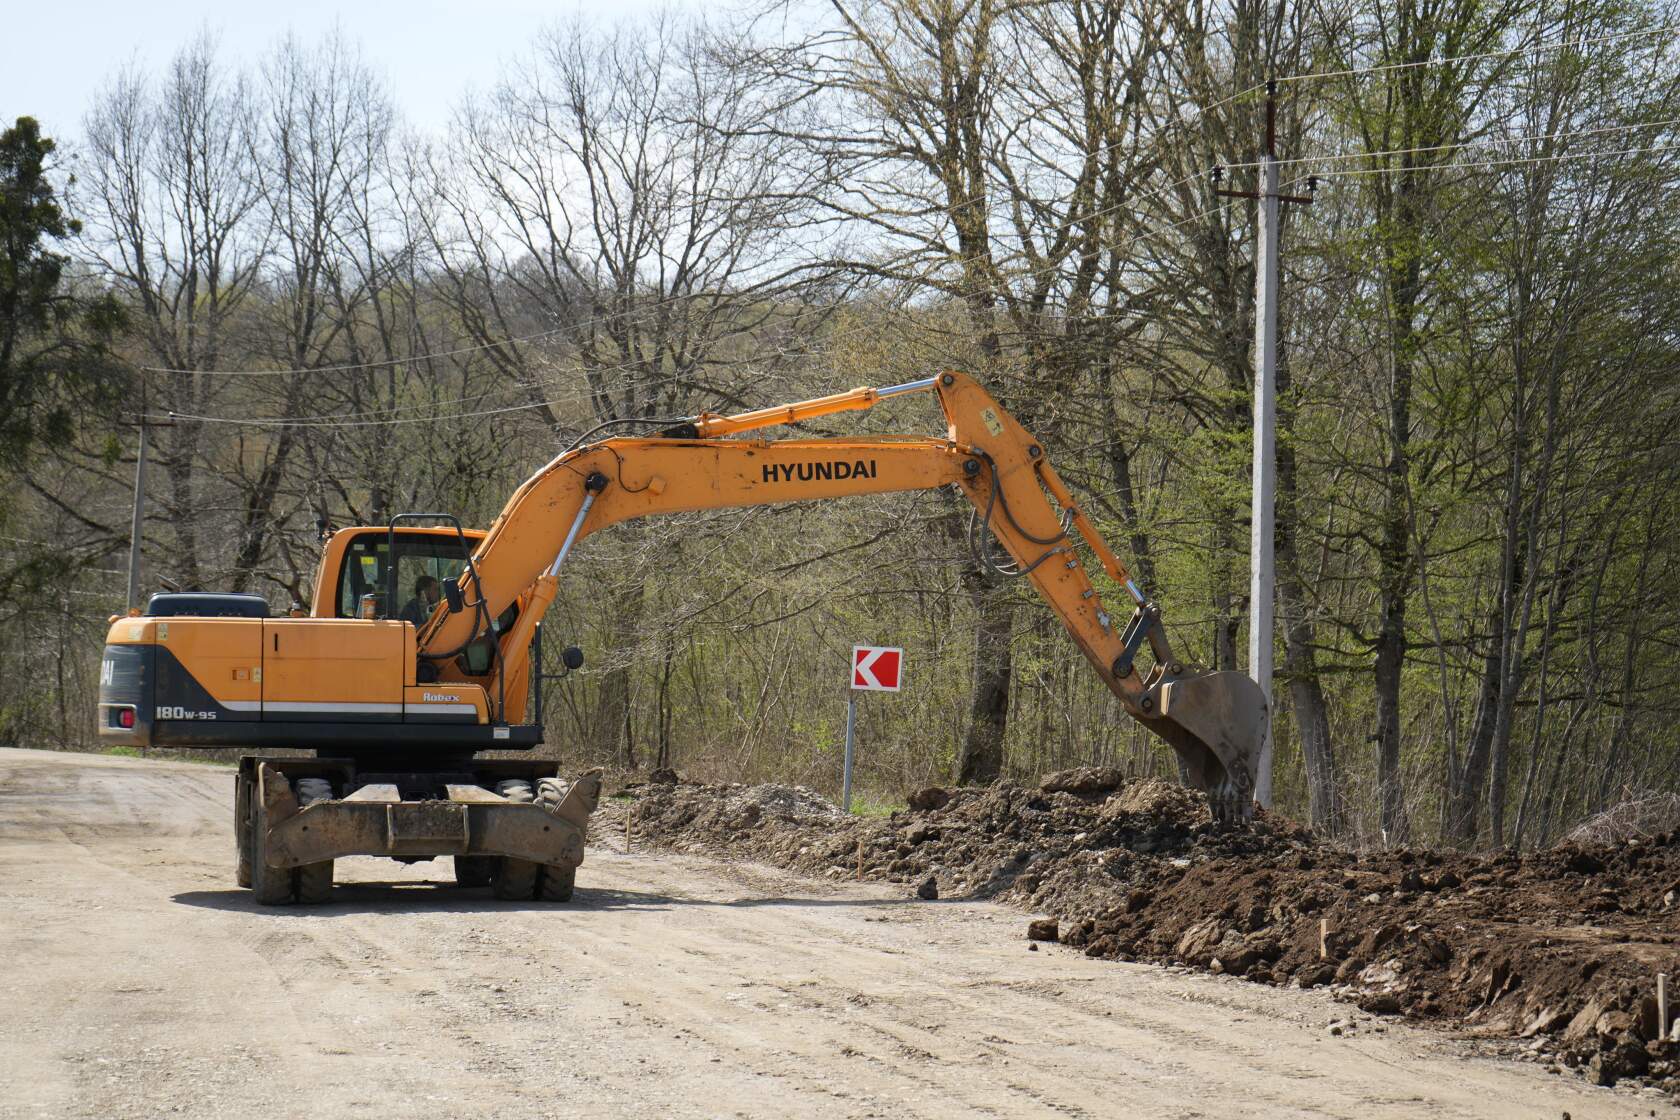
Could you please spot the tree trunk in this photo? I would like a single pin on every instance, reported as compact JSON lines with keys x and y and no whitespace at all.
{"x":1464,"y":793}
{"x":981,"y":759}
{"x":1394,"y":553}
{"x":179,"y":467}
{"x":1390,"y":781}
{"x":667,"y":664}
{"x":1125,"y":489}
{"x":1300,"y":660}
{"x":613,"y":717}
{"x":258,"y":515}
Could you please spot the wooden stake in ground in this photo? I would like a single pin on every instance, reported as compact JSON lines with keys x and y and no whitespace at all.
{"x":1324,"y":939}
{"x":860,"y":859}
{"x":1662,"y":1004}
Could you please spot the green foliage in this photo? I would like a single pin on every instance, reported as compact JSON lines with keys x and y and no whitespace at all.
{"x":868,"y":807}
{"x":53,"y":357}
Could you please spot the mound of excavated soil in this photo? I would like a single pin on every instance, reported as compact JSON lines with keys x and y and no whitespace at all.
{"x":1560,"y":947}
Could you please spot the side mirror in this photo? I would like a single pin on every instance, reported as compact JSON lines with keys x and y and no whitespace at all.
{"x":571,"y":657}
{"x":452,"y":594}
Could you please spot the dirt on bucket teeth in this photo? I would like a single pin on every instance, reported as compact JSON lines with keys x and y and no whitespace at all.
{"x":1556,"y":951}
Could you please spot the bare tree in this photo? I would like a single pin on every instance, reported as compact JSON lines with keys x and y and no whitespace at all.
{"x":321,"y":131}
{"x":617,"y":196}
{"x":176,"y":224}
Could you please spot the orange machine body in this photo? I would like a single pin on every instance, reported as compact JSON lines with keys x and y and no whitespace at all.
{"x":328,"y":679}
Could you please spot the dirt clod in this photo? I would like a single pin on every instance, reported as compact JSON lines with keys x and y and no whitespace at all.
{"x":1083,"y":781}
{"x":929,"y":799}
{"x":1380,"y":1003}
{"x":1041,"y":929}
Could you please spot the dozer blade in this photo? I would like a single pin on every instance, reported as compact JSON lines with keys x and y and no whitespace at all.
{"x":1215,"y":722}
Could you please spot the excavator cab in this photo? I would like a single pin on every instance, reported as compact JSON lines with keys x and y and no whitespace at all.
{"x":361,"y":565}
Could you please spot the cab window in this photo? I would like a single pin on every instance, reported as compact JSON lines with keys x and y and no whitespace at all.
{"x":367,"y":560}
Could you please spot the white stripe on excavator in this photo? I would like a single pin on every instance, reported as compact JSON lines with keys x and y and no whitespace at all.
{"x":346,"y":709}
{"x":283,"y":706}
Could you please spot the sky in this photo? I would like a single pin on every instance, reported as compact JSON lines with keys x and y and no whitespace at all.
{"x":56,"y":57}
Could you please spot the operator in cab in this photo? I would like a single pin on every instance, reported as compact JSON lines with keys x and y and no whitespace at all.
{"x":419,"y":609}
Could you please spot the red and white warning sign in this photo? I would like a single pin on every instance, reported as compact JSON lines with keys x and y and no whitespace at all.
{"x":876,"y":668}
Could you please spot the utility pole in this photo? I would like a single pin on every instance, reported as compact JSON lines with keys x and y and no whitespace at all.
{"x":139,"y":517}
{"x":1262,"y":570}
{"x":139,"y":514}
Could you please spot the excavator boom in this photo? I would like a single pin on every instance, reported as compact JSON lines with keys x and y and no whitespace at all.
{"x":1214,"y":721}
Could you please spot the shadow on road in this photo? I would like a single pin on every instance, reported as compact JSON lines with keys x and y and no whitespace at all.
{"x":447,"y":898}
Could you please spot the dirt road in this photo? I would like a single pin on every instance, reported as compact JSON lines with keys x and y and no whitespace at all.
{"x":136,"y":981}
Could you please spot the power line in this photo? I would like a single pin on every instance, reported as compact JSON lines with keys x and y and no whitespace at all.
{"x":1532,"y":49}
{"x":331,"y":421}
{"x":1513,"y":161}
{"x":328,"y":422}
{"x":347,"y":366}
{"x":282,"y":422}
{"x":1199,"y":112}
{"x":1469,"y":145}
{"x":645,"y":311}
{"x":852,"y":332}
{"x":642,"y":313}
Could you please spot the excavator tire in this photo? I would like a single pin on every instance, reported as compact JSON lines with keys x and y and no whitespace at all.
{"x":517,"y":790}
{"x":474,"y":871}
{"x":242,"y":832}
{"x":311,"y":790}
{"x":516,"y":880}
{"x":273,"y":886}
{"x":314,"y":882}
{"x":556,"y":884}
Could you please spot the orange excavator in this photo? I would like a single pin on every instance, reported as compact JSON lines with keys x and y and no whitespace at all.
{"x":400,"y":704}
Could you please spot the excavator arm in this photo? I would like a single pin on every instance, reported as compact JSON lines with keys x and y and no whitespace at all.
{"x":1214,"y":721}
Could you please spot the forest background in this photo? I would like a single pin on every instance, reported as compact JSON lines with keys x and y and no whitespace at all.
{"x":340,"y":317}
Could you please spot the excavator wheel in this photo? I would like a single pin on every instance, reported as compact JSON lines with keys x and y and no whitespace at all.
{"x":273,"y":886}
{"x":242,"y":831}
{"x":517,"y":790}
{"x":556,"y":884}
{"x":474,"y":871}
{"x":516,"y":880}
{"x":314,"y":882}
{"x":311,"y":790}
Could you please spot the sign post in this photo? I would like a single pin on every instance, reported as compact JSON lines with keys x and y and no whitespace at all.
{"x":874,"y":669}
{"x":846,"y":779}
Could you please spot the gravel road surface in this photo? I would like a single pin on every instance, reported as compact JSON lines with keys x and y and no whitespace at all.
{"x":136,"y":980}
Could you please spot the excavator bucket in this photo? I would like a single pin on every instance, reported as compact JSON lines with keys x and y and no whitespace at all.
{"x":1216,"y":723}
